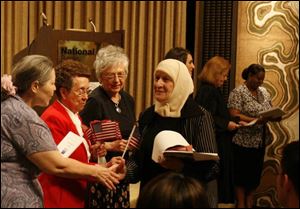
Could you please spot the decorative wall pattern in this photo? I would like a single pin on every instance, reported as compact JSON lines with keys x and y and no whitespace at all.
{"x":268,"y":34}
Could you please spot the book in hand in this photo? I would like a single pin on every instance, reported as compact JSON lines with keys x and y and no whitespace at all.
{"x":274,"y":112}
{"x":197,"y":156}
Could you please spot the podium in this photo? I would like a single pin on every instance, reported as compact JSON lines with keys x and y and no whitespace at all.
{"x":76,"y":44}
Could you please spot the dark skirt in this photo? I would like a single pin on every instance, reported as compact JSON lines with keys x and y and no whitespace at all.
{"x":248,"y":165}
{"x":100,"y":197}
{"x":225,"y":180}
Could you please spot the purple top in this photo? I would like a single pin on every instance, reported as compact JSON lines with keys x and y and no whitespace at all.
{"x":22,"y":134}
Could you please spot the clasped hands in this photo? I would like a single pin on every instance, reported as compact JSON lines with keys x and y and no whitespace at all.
{"x":116,"y":165}
{"x":112,"y":172}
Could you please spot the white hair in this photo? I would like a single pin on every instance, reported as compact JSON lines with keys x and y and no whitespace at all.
{"x":110,"y":56}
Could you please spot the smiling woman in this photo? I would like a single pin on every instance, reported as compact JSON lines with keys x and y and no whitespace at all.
{"x":176,"y":111}
{"x":110,"y":102}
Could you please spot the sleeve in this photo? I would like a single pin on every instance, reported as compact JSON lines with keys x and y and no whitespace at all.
{"x":34,"y":136}
{"x":133,"y":172}
{"x":205,"y":134}
{"x":204,"y":140}
{"x":91,"y":111}
{"x":208,"y":97}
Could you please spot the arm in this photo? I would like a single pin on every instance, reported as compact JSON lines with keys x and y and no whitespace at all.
{"x":203,"y":140}
{"x":237,"y":113}
{"x":52,"y":162}
{"x":236,"y":103}
{"x":210,"y":98}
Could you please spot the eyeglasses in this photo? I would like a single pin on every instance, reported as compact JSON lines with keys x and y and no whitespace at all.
{"x":110,"y":76}
{"x":82,"y":91}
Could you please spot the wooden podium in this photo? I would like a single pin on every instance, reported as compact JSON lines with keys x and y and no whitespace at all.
{"x":76,"y":44}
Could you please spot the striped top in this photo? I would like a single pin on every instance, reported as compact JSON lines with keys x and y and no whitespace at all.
{"x":195,"y":125}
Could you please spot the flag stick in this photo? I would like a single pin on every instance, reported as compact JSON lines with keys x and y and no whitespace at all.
{"x":130,"y":136}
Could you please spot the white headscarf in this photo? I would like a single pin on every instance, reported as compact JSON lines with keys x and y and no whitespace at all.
{"x":183,"y":87}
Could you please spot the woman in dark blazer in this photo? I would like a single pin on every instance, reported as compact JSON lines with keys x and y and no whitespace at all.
{"x":210,"y":97}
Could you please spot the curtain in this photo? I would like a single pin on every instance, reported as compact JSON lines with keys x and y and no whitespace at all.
{"x":151,"y":29}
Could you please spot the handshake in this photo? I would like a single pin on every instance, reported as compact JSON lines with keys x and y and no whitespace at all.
{"x":111,"y":173}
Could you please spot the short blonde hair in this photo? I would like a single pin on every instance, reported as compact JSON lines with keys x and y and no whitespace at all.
{"x":214,"y":66}
{"x":110,"y":56}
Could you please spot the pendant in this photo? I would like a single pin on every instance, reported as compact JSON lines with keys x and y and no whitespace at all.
{"x":118,"y":110}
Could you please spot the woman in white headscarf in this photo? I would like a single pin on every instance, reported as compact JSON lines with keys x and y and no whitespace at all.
{"x":174,"y":110}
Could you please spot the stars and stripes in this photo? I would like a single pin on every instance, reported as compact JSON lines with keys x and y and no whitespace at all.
{"x":107,"y":130}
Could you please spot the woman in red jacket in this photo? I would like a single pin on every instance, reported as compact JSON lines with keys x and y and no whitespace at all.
{"x":72,"y":83}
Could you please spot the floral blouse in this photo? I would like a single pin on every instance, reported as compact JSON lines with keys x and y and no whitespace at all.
{"x":241,"y":99}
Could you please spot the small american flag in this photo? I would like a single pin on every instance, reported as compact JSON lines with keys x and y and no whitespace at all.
{"x":107,"y":130}
{"x":103,"y":130}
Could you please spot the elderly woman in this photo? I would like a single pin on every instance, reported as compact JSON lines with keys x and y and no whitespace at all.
{"x":72,"y":84}
{"x":174,"y":110}
{"x":27,"y":146}
{"x":110,"y":102}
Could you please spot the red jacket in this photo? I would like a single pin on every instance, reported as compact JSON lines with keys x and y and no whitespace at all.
{"x":62,"y":192}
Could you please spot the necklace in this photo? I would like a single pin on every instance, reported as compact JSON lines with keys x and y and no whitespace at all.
{"x":118,"y":109}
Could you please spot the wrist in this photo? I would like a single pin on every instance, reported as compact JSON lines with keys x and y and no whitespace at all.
{"x":108,"y":146}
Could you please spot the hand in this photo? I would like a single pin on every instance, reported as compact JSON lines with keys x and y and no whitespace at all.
{"x":118,"y":165}
{"x":181,"y":148}
{"x":106,"y":176}
{"x":117,"y":145}
{"x":115,"y":160}
{"x":243,"y":123}
{"x":262,"y":120}
{"x":233,"y":126}
{"x":98,"y":150}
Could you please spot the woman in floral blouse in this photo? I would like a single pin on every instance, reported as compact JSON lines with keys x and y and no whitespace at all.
{"x":245,"y":102}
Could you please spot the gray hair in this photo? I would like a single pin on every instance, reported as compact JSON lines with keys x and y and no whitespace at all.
{"x":110,"y":56}
{"x":29,"y":69}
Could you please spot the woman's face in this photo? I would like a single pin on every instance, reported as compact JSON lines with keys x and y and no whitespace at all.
{"x":256,"y":80}
{"x":221,"y":78}
{"x":45,"y":92}
{"x":163,"y":86}
{"x":113,"y":79}
{"x":76,"y":98}
{"x":190,"y":64}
